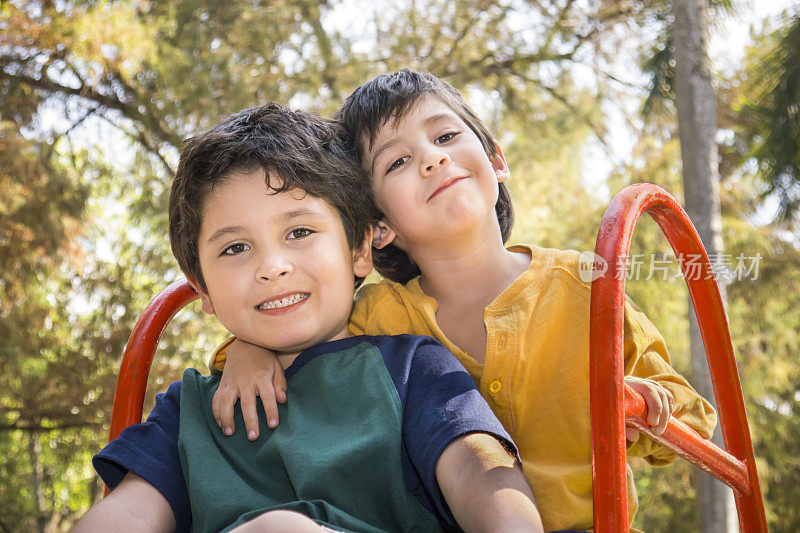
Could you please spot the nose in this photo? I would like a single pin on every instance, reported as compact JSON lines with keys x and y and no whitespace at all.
{"x":433,"y":160}
{"x":273,"y":266}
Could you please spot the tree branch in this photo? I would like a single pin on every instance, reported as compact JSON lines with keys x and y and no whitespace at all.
{"x":324,"y":43}
{"x":32,"y":428}
{"x":47,"y":84}
{"x":595,"y":129}
{"x":142,"y":139}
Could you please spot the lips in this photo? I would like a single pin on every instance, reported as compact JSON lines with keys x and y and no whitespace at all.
{"x":282,"y":303}
{"x":446,"y":185}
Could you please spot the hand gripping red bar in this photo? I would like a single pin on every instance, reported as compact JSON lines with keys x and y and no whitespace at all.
{"x":736,"y":467}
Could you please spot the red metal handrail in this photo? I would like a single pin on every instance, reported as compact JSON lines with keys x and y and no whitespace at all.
{"x":736,"y":466}
{"x":135,"y":367}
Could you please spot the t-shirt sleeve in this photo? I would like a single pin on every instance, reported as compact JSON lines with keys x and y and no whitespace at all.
{"x":150,"y":450}
{"x":441,"y":404}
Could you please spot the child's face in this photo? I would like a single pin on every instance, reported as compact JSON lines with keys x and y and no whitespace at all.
{"x":431,"y":177}
{"x":278,"y":269}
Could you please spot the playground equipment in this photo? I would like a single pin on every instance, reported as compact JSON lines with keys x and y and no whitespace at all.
{"x":735,"y":467}
{"x":613,"y":405}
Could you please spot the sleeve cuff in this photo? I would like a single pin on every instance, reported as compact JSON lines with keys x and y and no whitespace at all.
{"x":217,"y":362}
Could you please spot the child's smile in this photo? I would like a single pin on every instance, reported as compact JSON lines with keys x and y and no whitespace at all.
{"x":278,"y":268}
{"x":282,"y":304}
{"x":447,"y":184}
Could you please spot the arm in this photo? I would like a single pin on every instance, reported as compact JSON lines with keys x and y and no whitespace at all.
{"x":485,"y":487}
{"x":646,"y":357}
{"x":249,"y":372}
{"x":135,"y":505}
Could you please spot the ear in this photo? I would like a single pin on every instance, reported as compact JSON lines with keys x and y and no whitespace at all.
{"x":382,"y":234}
{"x":499,"y":164}
{"x":205,"y":299}
{"x":362,"y":256}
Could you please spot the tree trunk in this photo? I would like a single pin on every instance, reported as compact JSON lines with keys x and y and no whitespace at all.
{"x":697,"y":127}
{"x":37,"y":480}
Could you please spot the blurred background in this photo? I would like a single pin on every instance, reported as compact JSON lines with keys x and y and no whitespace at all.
{"x":96,"y":97}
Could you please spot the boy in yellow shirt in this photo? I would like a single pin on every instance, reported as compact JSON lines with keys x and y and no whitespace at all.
{"x":517,"y":317}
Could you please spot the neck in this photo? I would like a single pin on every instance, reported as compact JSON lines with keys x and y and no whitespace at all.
{"x":286,"y":360}
{"x":482,"y":264}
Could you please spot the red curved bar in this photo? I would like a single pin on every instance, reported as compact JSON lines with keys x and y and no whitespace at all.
{"x":735,"y":467}
{"x":698,"y":450}
{"x":135,"y":367}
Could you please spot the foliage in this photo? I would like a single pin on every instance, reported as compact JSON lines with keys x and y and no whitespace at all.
{"x":771,"y":113}
{"x":96,"y":97}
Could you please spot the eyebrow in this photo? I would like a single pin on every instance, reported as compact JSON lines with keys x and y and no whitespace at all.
{"x":437,"y":117}
{"x":300,"y":213}
{"x":286,"y":217}
{"x":382,"y":149}
{"x":427,"y":122}
{"x":227,"y":230}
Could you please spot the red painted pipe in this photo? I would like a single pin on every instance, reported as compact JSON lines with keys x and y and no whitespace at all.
{"x":135,"y":367}
{"x":689,"y":444}
{"x":606,"y":366}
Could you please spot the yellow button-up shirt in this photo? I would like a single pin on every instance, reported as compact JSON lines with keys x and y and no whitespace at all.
{"x":535,"y":375}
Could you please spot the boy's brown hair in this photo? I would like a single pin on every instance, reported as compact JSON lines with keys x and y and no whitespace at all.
{"x":302,"y":150}
{"x":387,"y":98}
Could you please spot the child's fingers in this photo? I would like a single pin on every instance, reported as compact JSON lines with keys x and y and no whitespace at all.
{"x":654,"y":408}
{"x":268,"y":400}
{"x":249,"y":413}
{"x":666,"y":411}
{"x":631,"y":434}
{"x":670,"y":401}
{"x":227,"y":399}
{"x":279,"y":384}
{"x":215,"y":401}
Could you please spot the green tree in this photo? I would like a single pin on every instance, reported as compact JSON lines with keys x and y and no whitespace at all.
{"x":697,"y":127}
{"x":771,"y":115}
{"x":97,"y":97}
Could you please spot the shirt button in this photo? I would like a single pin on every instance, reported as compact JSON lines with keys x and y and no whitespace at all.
{"x":494,"y":387}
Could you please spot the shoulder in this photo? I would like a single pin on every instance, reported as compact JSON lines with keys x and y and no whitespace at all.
{"x":192,"y":376}
{"x":549,"y":261}
{"x":385,"y":292}
{"x":402,"y":342}
{"x":173,"y":392}
{"x":385,"y":308}
{"x":554,"y":272}
{"x":574,"y":269}
{"x":405,"y":350}
{"x":406,"y":356}
{"x":167,"y":405}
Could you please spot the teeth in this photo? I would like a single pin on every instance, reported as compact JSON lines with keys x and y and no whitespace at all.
{"x":283,"y":302}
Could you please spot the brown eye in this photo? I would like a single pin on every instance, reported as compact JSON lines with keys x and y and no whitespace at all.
{"x":441,"y":139}
{"x":397,"y":164}
{"x":300,"y":233}
{"x":235,"y":249}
